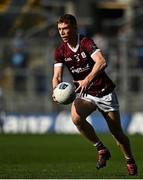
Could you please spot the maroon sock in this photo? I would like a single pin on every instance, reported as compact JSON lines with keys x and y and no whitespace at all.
{"x":100,"y":146}
{"x":130,"y":161}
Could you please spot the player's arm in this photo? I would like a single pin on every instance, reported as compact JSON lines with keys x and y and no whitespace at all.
{"x":99,"y":66}
{"x":57,"y":76}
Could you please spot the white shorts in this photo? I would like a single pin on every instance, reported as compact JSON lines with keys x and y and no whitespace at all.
{"x":106,"y":103}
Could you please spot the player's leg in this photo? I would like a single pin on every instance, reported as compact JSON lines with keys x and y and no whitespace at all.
{"x":79,"y":112}
{"x":113,"y":121}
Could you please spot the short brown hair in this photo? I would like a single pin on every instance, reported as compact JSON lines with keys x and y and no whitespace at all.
{"x":69,"y":19}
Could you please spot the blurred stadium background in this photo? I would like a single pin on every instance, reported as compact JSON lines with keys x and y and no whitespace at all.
{"x":28,"y":36}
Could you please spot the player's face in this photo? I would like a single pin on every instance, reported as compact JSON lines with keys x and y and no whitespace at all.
{"x":66,"y":32}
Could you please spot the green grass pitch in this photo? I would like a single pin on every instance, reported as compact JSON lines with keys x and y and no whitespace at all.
{"x":54,"y":156}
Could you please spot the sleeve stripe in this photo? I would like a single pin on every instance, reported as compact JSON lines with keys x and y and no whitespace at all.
{"x":97,"y":50}
{"x":58,"y":64}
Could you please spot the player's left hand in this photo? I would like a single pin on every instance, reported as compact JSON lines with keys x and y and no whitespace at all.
{"x":83,"y":85}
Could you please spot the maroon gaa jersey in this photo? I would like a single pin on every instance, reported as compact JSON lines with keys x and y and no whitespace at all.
{"x":80,"y":64}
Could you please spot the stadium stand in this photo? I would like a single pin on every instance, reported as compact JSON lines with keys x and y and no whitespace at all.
{"x":37,"y":22}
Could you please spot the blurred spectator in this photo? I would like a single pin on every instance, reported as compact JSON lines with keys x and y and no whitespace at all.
{"x":83,"y":30}
{"x":41,"y":81}
{"x":19,"y":62}
{"x":102,"y":43}
{"x":139,"y":50}
{"x":126,"y":40}
{"x":124,"y":33}
{"x":140,"y":56}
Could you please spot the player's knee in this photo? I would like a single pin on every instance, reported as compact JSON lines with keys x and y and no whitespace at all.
{"x":76,"y":115}
{"x":76,"y":120}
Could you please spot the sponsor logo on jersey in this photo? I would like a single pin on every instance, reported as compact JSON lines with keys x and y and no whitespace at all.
{"x":79,"y":70}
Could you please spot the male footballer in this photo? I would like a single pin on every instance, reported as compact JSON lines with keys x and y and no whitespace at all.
{"x":95,"y":90}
